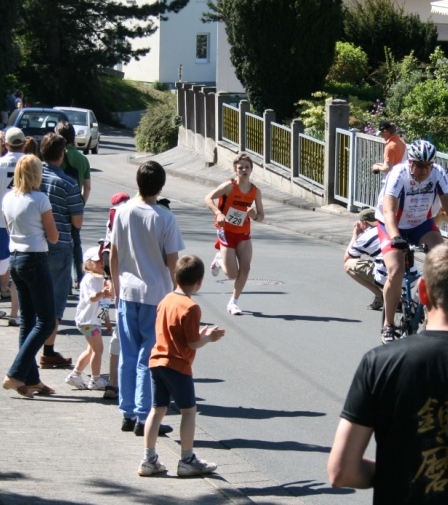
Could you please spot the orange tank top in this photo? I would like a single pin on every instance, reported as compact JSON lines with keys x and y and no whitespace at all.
{"x":235,"y":207}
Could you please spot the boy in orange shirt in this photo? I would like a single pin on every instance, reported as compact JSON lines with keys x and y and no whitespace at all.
{"x":177,"y":338}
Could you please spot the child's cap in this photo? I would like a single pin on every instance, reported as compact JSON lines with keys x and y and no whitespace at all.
{"x":91,"y":254}
{"x":119,"y":198}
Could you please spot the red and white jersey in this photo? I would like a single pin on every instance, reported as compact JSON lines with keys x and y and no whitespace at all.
{"x":417,"y":201}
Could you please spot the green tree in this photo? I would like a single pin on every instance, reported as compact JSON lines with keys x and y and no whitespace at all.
{"x":8,"y":54}
{"x":64,"y":43}
{"x":376,"y":24}
{"x":281,"y":49}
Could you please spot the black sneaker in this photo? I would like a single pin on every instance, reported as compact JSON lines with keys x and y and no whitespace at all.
{"x":164,"y":429}
{"x":388,"y":334}
{"x":128,"y":424}
{"x":139,"y":429}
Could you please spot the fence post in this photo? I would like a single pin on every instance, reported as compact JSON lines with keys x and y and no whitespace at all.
{"x":352,"y":169}
{"x":297,"y":127}
{"x":244,"y":107}
{"x":181,"y":101}
{"x":336,"y":116}
{"x":268,"y":118}
{"x":221,"y":97}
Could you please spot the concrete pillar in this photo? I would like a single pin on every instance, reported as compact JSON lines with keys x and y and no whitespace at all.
{"x":268,"y":118}
{"x":336,"y":116}
{"x":198,"y":103}
{"x":297,"y":127}
{"x":209,"y":112}
{"x":244,"y":107}
{"x":181,"y":101}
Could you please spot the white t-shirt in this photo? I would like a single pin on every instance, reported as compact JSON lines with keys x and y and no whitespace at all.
{"x":87,"y":312}
{"x":8,"y":163}
{"x":23,"y":214}
{"x":143,"y":235}
{"x":417,"y":201}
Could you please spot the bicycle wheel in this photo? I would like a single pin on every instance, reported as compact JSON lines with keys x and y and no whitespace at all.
{"x":412,"y":320}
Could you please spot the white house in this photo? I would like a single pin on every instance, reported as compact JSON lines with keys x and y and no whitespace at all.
{"x":181,"y":45}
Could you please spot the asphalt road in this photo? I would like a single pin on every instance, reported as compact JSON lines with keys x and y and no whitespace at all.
{"x":273,"y":388}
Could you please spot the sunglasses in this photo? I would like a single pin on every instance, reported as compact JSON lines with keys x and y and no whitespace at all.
{"x":421,"y":165}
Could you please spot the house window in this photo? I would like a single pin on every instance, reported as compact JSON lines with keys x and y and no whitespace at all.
{"x":202,"y":47}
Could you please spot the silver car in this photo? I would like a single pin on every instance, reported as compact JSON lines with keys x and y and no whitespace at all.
{"x":86,"y":128}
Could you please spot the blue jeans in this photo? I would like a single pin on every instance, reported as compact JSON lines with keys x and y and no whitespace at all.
{"x":31,"y":275}
{"x":137,"y":334}
{"x":60,"y":261}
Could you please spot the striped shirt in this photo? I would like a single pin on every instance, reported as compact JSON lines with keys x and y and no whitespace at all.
{"x":368,"y":243}
{"x":66,"y":202}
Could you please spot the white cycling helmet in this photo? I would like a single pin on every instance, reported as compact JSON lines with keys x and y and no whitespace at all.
{"x":421,"y":150}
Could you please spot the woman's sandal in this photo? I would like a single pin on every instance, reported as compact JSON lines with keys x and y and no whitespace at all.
{"x":41,"y":389}
{"x":10,"y":383}
{"x":110,"y":393}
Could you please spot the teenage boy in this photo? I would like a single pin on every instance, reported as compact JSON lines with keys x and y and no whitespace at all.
{"x":145,"y":242}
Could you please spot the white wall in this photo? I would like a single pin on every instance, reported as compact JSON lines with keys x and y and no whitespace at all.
{"x":226,"y":79}
{"x":174,"y":43}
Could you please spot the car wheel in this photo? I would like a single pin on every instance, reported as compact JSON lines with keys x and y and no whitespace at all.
{"x":86,"y":150}
{"x":95,"y":149}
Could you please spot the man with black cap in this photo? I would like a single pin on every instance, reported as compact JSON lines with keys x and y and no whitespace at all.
{"x":395,"y":149}
{"x":370,"y":272}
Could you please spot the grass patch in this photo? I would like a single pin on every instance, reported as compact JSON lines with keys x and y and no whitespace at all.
{"x":119,"y":95}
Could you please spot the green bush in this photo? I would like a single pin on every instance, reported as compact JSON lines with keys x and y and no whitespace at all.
{"x":350,"y":64}
{"x":345,"y":90}
{"x":158,"y":128}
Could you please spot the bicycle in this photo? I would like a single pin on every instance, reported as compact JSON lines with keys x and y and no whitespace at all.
{"x":410,"y":316}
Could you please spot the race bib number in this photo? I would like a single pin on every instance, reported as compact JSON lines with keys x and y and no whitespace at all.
{"x":236,"y":217}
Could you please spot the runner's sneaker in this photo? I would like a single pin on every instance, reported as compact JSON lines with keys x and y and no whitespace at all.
{"x":388,"y":334}
{"x":232,"y":308}
{"x":215,"y":267}
{"x":97,"y":384}
{"x":76,"y":381}
{"x":194,"y":466}
{"x":146,"y":468}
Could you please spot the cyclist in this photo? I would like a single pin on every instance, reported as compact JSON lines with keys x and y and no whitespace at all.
{"x":411,"y":198}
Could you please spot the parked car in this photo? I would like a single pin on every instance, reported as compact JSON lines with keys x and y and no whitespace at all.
{"x":86,"y":128}
{"x":36,"y":121}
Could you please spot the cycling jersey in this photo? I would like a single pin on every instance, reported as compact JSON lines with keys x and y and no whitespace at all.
{"x":417,"y":201}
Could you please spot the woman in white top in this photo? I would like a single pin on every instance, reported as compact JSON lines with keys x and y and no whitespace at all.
{"x":30,"y":223}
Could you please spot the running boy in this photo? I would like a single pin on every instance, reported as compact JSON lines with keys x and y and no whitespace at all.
{"x":92,"y":290}
{"x":232,"y":219}
{"x":177,"y":338}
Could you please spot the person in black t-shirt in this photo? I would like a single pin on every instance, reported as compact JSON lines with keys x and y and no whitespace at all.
{"x":400,"y":394}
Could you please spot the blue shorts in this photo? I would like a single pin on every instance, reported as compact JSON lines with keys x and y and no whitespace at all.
{"x":167,"y":383}
{"x":60,"y":261}
{"x":412,"y":235}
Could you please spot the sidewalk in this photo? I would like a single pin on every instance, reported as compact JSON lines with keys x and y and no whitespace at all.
{"x":68,"y":448}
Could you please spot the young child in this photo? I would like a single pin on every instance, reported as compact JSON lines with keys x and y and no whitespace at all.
{"x":92,"y":290}
{"x":232,"y":219}
{"x":111,"y":390}
{"x":177,"y":338}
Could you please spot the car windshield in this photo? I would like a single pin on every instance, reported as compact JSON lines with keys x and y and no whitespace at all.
{"x":77,"y":117}
{"x":40,"y":120}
